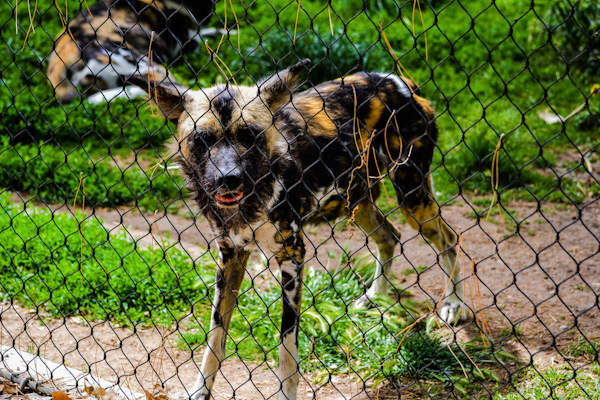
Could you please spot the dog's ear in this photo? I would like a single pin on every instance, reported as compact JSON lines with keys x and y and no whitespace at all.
{"x":276,"y":90}
{"x":170,"y":97}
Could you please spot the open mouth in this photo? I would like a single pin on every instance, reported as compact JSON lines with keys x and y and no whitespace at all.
{"x":229,"y":198}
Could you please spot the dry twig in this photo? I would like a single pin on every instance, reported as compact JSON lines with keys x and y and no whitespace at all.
{"x":297,"y":17}
{"x":495,"y":178}
{"x":396,"y":59}
{"x":422,"y":22}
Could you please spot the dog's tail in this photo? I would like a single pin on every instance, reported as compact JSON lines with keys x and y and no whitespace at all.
{"x":64,"y":57}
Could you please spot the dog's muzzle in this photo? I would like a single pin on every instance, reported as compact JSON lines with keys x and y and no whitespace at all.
{"x":231,"y":191}
{"x":229,"y":198}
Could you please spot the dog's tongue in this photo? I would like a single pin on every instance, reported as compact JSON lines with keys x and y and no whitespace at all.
{"x":229,"y":197}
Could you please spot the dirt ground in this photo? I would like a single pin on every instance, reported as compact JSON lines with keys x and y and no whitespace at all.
{"x":544,"y":279}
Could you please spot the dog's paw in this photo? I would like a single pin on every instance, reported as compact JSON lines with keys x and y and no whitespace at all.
{"x":197,"y":396}
{"x":363,"y":301}
{"x":453,"y":313}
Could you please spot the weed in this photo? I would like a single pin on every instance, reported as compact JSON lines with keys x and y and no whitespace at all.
{"x":584,"y":347}
{"x":481,"y":202}
{"x":576,"y":38}
{"x":581,"y":288}
{"x":513,"y":330}
{"x":554,"y":383}
{"x":507,"y":213}
{"x":410,"y":271}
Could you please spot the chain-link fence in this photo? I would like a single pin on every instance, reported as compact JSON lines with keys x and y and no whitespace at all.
{"x":343,"y":199}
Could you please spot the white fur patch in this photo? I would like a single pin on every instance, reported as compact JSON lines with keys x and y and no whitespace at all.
{"x":110,"y":73}
{"x":287,"y":370}
{"x":240,"y":238}
{"x":264,"y":236}
{"x":272,"y":202}
{"x":402,"y":86}
{"x":130,"y":92}
{"x":211,"y":362}
{"x":324,"y":194}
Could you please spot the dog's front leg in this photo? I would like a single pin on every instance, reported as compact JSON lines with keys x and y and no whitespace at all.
{"x":291,"y":260}
{"x":229,"y":276}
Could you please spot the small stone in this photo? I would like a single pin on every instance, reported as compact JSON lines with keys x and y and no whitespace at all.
{"x":562,"y":327}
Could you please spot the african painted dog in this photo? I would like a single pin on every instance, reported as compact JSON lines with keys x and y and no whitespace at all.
{"x":263,"y":163}
{"x":99,"y":49}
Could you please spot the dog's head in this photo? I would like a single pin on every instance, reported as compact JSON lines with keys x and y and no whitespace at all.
{"x":230,"y":145}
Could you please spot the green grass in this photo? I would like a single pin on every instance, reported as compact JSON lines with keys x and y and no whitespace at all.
{"x":54,"y":175}
{"x":583,"y":347}
{"x":554,"y":383}
{"x":44,"y":266}
{"x":475,"y":76}
{"x":410,"y":271}
{"x":513,"y":330}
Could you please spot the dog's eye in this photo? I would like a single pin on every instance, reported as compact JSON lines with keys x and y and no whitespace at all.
{"x":202,"y":140}
{"x":246,"y":138}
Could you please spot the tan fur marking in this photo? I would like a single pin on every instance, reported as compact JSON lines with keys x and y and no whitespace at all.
{"x":429,"y":112}
{"x":426,"y":218}
{"x":104,"y":27}
{"x":313,"y":112}
{"x":410,"y":83}
{"x":66,"y":53}
{"x":393,"y":141}
{"x":64,"y":57}
{"x":350,"y":79}
{"x":287,"y":253}
{"x":376,"y":109}
{"x":223,"y":306}
{"x":154,"y":3}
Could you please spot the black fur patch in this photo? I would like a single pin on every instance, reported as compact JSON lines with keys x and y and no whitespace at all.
{"x":223,"y":106}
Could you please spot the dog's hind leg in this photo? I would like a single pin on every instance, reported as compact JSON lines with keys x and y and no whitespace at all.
{"x":423,"y":214}
{"x":375,"y":226}
{"x":229,"y":276}
{"x":291,"y":260}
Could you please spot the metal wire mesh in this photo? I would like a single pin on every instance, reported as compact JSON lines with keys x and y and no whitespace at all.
{"x":364,"y":245}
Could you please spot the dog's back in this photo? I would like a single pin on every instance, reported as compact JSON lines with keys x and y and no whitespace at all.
{"x":365,"y":124}
{"x":99,"y":48}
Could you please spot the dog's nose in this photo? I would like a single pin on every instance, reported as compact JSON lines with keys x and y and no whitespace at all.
{"x":232,"y":180}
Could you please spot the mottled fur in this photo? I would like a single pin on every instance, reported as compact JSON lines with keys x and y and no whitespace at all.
{"x":98,"y":50}
{"x":263,"y":162}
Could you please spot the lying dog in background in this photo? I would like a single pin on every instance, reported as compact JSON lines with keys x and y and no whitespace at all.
{"x":99,"y":50}
{"x":262,"y":164}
